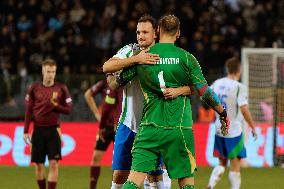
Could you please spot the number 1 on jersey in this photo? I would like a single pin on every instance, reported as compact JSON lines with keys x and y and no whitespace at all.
{"x":162,"y":81}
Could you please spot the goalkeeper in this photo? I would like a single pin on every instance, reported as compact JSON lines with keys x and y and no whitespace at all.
{"x":166,"y":125}
{"x":231,"y":147}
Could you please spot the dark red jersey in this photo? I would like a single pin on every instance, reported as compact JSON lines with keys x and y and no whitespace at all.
{"x":39,"y":107}
{"x":111,"y":103}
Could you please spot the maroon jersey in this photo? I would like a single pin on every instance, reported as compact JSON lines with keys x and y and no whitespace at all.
{"x":111,"y":103}
{"x":39,"y":106}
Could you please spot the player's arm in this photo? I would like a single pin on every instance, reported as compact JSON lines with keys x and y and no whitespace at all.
{"x":89,"y":97}
{"x":204,"y":91}
{"x":246,"y":113}
{"x":171,"y":93}
{"x":29,"y":103}
{"x":126,"y":75}
{"x":121,"y":78}
{"x":212,"y":100}
{"x":243,"y":104}
{"x":92,"y":104}
{"x":66,"y":106}
{"x":111,"y":81}
{"x":119,"y":61}
{"x":110,"y":101}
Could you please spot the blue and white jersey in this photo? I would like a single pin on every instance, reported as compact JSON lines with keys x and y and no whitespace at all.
{"x":233,"y":95}
{"x":132,"y":103}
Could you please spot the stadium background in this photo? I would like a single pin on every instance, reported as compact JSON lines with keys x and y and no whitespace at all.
{"x":81,"y":34}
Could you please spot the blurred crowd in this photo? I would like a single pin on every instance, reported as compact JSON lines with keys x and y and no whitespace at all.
{"x":81,"y":34}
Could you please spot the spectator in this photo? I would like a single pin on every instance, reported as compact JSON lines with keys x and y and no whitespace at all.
{"x":24,"y":24}
{"x":75,"y":33}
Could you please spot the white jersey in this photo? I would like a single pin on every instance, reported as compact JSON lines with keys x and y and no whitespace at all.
{"x":233,"y":95}
{"x":132,"y":103}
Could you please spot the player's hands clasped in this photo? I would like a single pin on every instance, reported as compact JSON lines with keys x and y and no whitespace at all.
{"x":147,"y":58}
{"x":225,"y":123}
{"x":171,"y":93}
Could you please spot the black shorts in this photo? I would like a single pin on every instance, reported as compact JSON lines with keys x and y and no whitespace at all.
{"x":46,"y":141}
{"x":109,"y":137}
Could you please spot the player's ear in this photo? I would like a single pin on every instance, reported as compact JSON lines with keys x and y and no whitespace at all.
{"x":42,"y":70}
{"x":155,"y":35}
{"x":158,"y":31}
{"x":178,"y":34}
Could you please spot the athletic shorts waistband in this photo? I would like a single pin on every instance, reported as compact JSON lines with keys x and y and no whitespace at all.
{"x":46,"y":126}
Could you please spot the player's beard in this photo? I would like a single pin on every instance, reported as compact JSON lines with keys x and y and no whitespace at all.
{"x":144,"y":45}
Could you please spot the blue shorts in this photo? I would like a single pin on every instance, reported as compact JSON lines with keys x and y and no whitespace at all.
{"x":123,"y":142}
{"x":229,"y":148}
{"x":159,"y":170}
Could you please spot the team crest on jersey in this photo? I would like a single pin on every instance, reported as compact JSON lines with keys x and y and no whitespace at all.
{"x":54,"y":94}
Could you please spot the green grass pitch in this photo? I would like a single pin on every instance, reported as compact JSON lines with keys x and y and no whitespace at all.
{"x":78,"y":178}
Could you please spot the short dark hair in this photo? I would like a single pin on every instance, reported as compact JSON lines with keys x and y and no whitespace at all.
{"x":233,"y":65}
{"x":48,"y":62}
{"x":170,"y":24}
{"x":148,"y":18}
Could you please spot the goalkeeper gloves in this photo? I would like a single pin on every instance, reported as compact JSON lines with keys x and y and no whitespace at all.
{"x":225,"y":123}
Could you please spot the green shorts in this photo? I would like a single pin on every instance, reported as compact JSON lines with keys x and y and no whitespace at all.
{"x":175,"y":146}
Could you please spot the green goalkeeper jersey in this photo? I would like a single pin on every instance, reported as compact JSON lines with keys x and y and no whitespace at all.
{"x":176,"y":68}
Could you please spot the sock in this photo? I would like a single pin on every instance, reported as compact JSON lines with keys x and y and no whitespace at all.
{"x":146,"y":184}
{"x":166,"y":180}
{"x":188,"y":187}
{"x":160,"y":184}
{"x":51,"y":184}
{"x":153,"y":185}
{"x":235,"y":179}
{"x":115,"y":186}
{"x":129,"y":185}
{"x":41,"y":184}
{"x":94,"y":175}
{"x":216,"y":175}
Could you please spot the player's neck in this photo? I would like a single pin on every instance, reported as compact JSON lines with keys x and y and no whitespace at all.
{"x":47,"y":83}
{"x":233,"y":77}
{"x":167,"y":39}
{"x":144,"y":48}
